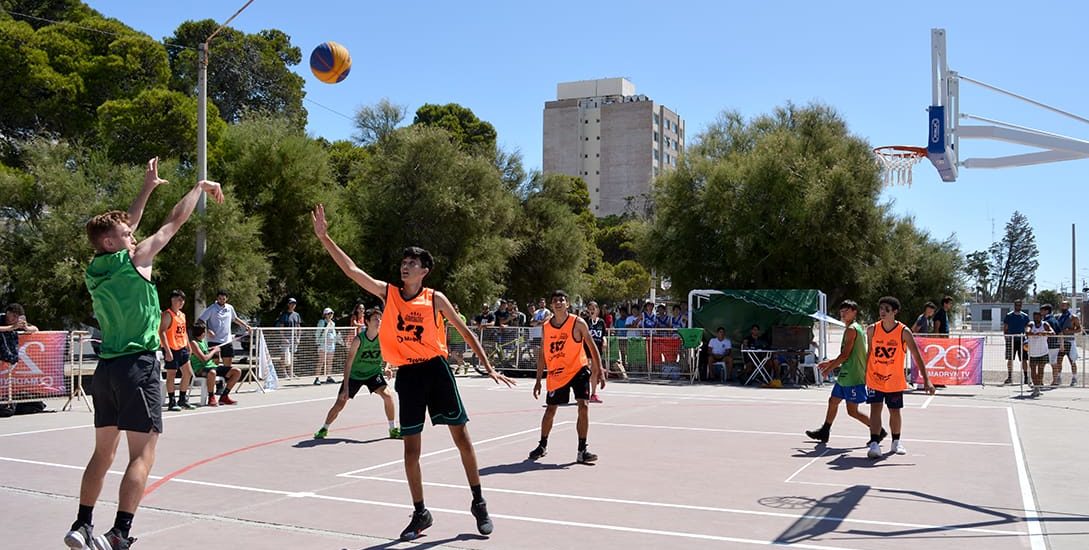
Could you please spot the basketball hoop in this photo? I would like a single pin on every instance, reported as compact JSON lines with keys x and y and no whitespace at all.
{"x":896,"y":162}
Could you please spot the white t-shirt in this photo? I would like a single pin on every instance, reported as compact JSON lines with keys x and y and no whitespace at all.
{"x":218,"y":319}
{"x":1037,"y":344}
{"x":720,"y":347}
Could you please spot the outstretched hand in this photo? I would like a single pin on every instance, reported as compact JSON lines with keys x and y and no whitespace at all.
{"x":321,"y":226}
{"x":151,"y":175}
{"x":500,"y":377}
{"x":213,"y":189}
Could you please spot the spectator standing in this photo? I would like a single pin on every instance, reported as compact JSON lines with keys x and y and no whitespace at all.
{"x":358,"y":319}
{"x":596,"y":325}
{"x":1069,"y":326}
{"x":941,"y":317}
{"x":14,"y":323}
{"x":678,"y":319}
{"x":1037,"y":350}
{"x":924,"y":324}
{"x":485,"y":318}
{"x":217,"y":319}
{"x":290,"y":320}
{"x":517,"y":318}
{"x":326,"y":338}
{"x":1013,"y":327}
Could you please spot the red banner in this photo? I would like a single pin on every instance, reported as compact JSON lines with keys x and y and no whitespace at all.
{"x":950,"y":361}
{"x":40,"y":370}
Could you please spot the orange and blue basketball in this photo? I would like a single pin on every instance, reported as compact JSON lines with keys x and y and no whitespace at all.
{"x":330,"y":62}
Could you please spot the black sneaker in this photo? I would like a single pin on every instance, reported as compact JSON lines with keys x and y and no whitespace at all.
{"x":79,"y":537}
{"x":420,"y":521}
{"x":537,"y":453}
{"x":112,"y":540}
{"x":173,"y":406}
{"x":1008,"y":381}
{"x":329,"y":380}
{"x":819,"y":435}
{"x":480,"y":512}
{"x":586,"y":457}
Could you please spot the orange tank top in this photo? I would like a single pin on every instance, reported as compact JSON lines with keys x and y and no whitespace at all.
{"x":412,"y":330}
{"x":176,"y":336}
{"x":564,"y":356}
{"x":885,"y":364}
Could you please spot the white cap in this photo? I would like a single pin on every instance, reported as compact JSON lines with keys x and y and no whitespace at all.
{"x":327,"y":311}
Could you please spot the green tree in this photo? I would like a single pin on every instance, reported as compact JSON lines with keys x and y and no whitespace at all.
{"x":419,"y":188}
{"x":474,"y":135}
{"x":977,"y":268}
{"x":373,"y":123}
{"x":276,"y":173}
{"x":555,"y":233}
{"x":345,"y":159}
{"x":1050,"y":296}
{"x":157,"y":122}
{"x":246,"y":72}
{"x":787,"y":200}
{"x":1014,"y":259}
{"x":54,"y":76}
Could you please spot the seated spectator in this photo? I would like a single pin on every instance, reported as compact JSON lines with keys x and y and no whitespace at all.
{"x":678,"y":319}
{"x":719,"y":349}
{"x":202,"y":359}
{"x":662,"y":318}
{"x":14,"y":323}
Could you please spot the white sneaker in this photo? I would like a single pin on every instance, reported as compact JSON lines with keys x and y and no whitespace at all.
{"x":898,"y":448}
{"x":1073,"y":381}
{"x":875,"y":450}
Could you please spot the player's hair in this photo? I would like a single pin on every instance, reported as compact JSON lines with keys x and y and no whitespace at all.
{"x":889,"y":301}
{"x":1047,"y":307}
{"x":755,"y":326}
{"x":223,"y":292}
{"x":98,"y":226}
{"x":947,"y":300}
{"x":15,"y":308}
{"x":723,"y":329}
{"x":591,"y":303}
{"x":930,"y":305}
{"x":370,"y":312}
{"x":420,"y":254}
{"x":176,"y":293}
{"x":557,"y":294}
{"x":849,"y":304}
{"x":197,"y":330}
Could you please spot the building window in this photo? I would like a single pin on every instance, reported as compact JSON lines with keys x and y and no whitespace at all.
{"x":985,"y":315}
{"x":656,"y":118}
{"x":597,"y":190}
{"x":585,"y":156}
{"x":599,"y":120}
{"x":598,"y":155}
{"x":597,"y":172}
{"x":655,"y":171}
{"x":598,"y":138}
{"x":655,"y":136}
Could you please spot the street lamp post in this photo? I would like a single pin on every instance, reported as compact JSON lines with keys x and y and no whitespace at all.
{"x":202,"y":149}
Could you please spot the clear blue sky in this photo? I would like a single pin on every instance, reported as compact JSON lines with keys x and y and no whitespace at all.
{"x":868,"y":60}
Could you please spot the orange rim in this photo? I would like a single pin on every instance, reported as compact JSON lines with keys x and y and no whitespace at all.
{"x":900,"y":151}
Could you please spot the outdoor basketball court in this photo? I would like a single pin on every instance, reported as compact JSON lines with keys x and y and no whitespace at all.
{"x":682,"y":466}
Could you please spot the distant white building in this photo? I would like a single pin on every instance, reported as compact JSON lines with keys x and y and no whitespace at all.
{"x":612,"y":138}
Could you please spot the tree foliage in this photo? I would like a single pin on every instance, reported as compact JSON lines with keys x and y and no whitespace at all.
{"x":789,"y":200}
{"x":157,"y":122}
{"x":1014,"y":259}
{"x":246,"y":72}
{"x":373,"y":123}
{"x":419,"y":188}
{"x":469,"y":132}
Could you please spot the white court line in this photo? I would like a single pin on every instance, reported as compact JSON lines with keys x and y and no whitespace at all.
{"x":806,"y":465}
{"x":448,"y":449}
{"x":1036,"y":537}
{"x":927,"y":402}
{"x":715,"y":509}
{"x":601,"y":526}
{"x":793,"y":434}
{"x":223,"y":409}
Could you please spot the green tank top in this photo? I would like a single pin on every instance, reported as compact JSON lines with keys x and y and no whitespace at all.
{"x":196,"y":362}
{"x":853,"y":371}
{"x":125,"y":304}
{"x":368,"y":358}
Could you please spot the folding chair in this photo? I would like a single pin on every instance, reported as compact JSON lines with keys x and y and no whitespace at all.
{"x":691,"y":341}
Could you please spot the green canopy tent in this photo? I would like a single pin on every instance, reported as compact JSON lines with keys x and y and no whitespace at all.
{"x":737,"y":310}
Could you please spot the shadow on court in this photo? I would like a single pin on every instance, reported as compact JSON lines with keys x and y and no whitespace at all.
{"x":308,"y":443}
{"x":422,"y":542}
{"x":823,"y":450}
{"x":824,"y":516}
{"x":522,"y":467}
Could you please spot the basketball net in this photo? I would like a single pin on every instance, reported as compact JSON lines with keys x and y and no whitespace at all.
{"x":897,"y":161}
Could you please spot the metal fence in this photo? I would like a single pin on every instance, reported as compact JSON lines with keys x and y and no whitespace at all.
{"x":304,"y":353}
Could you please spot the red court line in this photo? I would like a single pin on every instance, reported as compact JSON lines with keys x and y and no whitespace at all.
{"x":154,"y":486}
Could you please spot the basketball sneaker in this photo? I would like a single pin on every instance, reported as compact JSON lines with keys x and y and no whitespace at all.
{"x":321,"y":433}
{"x":395,"y":433}
{"x":821,"y":435}
{"x":874,"y":450}
{"x":79,"y":537}
{"x":537,"y":452}
{"x":212,"y":401}
{"x":585,"y":457}
{"x":898,"y":447}
{"x":420,"y":521}
{"x":113,"y":540}
{"x":480,"y":512}
{"x":226,"y":400}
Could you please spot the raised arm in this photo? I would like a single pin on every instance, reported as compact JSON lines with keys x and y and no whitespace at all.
{"x":447,"y":310}
{"x":151,"y":181}
{"x":148,"y":248}
{"x":321,"y":229}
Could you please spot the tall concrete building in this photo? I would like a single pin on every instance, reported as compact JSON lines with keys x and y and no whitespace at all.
{"x":615,"y":140}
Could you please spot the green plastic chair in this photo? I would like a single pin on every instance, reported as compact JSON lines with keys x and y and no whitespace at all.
{"x":692,"y":339}
{"x":637,"y":355}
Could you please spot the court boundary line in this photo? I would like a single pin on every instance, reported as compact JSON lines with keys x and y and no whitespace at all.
{"x":697,"y":507}
{"x":793,"y":434}
{"x":449,"y":449}
{"x":1032,"y":518}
